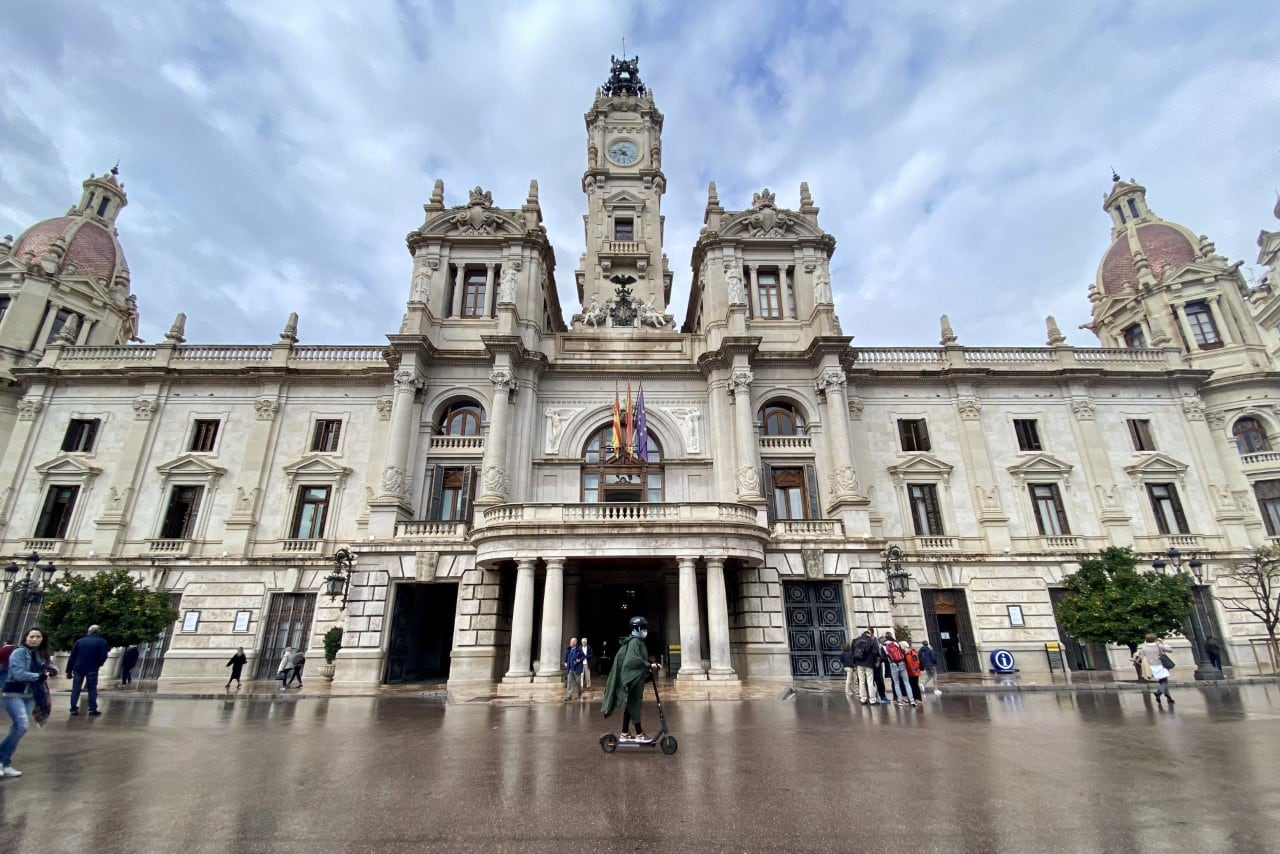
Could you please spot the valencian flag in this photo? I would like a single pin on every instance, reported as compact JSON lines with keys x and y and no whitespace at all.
{"x":642,"y":429}
{"x":631,"y":427}
{"x":617,"y":425}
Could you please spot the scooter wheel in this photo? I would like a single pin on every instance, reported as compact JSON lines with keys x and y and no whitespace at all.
{"x":608,"y":742}
{"x":668,"y":744}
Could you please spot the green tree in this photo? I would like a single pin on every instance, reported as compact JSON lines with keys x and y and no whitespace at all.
{"x":126,"y":610}
{"x":1260,"y":578}
{"x":1109,"y":601}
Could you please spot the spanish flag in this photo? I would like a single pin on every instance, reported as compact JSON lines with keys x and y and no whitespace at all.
{"x":617,"y":425}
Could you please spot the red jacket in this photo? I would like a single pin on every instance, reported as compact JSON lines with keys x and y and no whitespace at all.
{"x":913,"y":662}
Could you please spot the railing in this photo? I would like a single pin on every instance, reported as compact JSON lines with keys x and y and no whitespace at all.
{"x":785,"y":443}
{"x":1046,"y":356}
{"x":322,"y":353}
{"x":808,"y":528}
{"x":223,"y":353}
{"x":1009,"y":354}
{"x":122,"y":353}
{"x":937,"y":544}
{"x":591,"y":513}
{"x":300,"y":546}
{"x":1062,"y":544}
{"x":432,"y":530}
{"x":1263,"y":457}
{"x":899,"y":355}
{"x":1184,"y":541}
{"x":457,"y":443}
{"x":624,"y":247}
{"x":169,"y":547}
{"x":45,"y":547}
{"x":1118,"y":354}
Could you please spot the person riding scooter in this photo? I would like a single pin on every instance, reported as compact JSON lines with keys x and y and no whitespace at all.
{"x":631,"y":667}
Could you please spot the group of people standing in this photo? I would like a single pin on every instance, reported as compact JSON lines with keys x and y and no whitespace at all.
{"x":869,"y":660}
{"x":578,"y":658}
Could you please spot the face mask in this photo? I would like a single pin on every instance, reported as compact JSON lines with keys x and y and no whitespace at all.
{"x":644,"y":633}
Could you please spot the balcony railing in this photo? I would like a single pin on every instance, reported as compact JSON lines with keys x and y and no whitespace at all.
{"x":1062,"y":544}
{"x":1261,"y":458}
{"x":937,"y":544}
{"x":624,"y":247}
{"x":432,"y":530}
{"x":169,"y":547}
{"x":44,"y":547}
{"x":787,"y":528}
{"x":590,"y":513}
{"x":457,"y":443}
{"x":301,"y":546}
{"x":785,"y":443}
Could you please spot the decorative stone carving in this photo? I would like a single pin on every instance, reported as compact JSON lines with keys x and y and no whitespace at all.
{"x":245,"y":501}
{"x":289,"y":335}
{"x":496,"y":481}
{"x":395,"y":481}
{"x":593,"y":314}
{"x":830,"y":380}
{"x":407,"y":380}
{"x":844,"y":481}
{"x":406,"y":325}
{"x":1056,"y":338}
{"x":856,"y":406}
{"x":822,"y":286}
{"x":1216,"y":420}
{"x":266,"y":407}
{"x":733,"y":282}
{"x":812,"y":559}
{"x":421,"y":290}
{"x":557,"y":418}
{"x":988,"y":499}
{"x":70,"y":329}
{"x":177,"y":330}
{"x":948,"y":334}
{"x":765,"y":219}
{"x":383,"y":406}
{"x":688,"y":419}
{"x":970,"y":409}
{"x":740,"y":382}
{"x":29,"y":408}
{"x":503,"y":381}
{"x":144,"y":408}
{"x":424,"y":566}
{"x":748,"y":481}
{"x":1193,"y":407}
{"x":1083,"y":408}
{"x":1109,"y":496}
{"x":651,"y":315}
{"x":507,"y":287}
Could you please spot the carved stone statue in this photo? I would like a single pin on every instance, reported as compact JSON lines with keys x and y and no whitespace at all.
{"x":557,"y":417}
{"x":822,"y":287}
{"x":688,"y":418}
{"x":651,"y":315}
{"x":393,"y":481}
{"x":733,"y":281}
{"x":593,"y":314}
{"x":507,"y":287}
{"x":421,"y":286}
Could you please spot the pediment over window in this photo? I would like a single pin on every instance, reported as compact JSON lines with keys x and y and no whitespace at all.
{"x":67,"y":467}
{"x":190,"y":465}
{"x":921,"y":467}
{"x":1156,"y":467}
{"x":473,"y":221}
{"x":624,"y":198}
{"x":1040,"y":467}
{"x":318,"y":468}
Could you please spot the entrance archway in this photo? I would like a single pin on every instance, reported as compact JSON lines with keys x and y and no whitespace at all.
{"x":421,"y":637}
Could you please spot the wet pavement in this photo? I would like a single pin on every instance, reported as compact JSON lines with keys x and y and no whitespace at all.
{"x":978,"y":772}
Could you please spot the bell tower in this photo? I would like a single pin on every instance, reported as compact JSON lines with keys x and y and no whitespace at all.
{"x":623,"y":278}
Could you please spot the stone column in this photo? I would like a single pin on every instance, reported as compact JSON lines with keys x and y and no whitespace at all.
{"x":690,"y":624}
{"x":521,"y":666}
{"x":718,"y":621}
{"x":552,"y":621}
{"x":488,"y":290}
{"x":1225,"y":330}
{"x":746,"y":447}
{"x":844,"y":476}
{"x":753,"y":291}
{"x":496,"y":480}
{"x":395,"y":476}
{"x":786,"y":292}
{"x":1180,"y":313}
{"x":459,"y":284}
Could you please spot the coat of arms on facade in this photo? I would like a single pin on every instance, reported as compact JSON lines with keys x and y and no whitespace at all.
{"x":623,"y":310}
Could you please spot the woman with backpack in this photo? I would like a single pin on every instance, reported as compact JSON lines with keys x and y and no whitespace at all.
{"x":898,"y":671}
{"x":913,"y":668}
{"x":28,"y":669}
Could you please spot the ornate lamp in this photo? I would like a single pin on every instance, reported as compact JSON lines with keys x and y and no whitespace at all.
{"x":338,"y":582}
{"x":897,"y":577}
{"x":28,"y":585}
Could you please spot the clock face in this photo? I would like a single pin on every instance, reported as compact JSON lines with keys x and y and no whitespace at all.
{"x":624,"y":152}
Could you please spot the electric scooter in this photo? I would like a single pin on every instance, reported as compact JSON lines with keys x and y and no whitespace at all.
{"x":664,"y":740}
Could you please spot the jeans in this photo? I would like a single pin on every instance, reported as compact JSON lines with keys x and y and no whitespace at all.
{"x":84,"y":680}
{"x":898,"y":675}
{"x":19,"y":709}
{"x":866,"y":679}
{"x":930,"y":677}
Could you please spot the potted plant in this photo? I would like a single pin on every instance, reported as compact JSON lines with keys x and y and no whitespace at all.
{"x":332,"y":643}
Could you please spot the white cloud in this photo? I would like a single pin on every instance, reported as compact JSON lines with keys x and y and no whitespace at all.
{"x":276,"y":154}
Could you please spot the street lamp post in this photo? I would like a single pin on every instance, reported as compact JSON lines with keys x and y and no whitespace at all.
{"x":897,"y":578}
{"x":28,"y":586}
{"x":1205,"y":671}
{"x":338,"y":582}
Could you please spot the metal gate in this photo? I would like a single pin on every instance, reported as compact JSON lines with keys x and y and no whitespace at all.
{"x":151,"y":655}
{"x":23,"y":613}
{"x":1202,"y":612}
{"x":815,"y":628}
{"x":288,"y":625}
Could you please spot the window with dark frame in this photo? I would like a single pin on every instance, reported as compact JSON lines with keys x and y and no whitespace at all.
{"x":4,"y":306}
{"x":926,"y":515}
{"x":326,"y":435}
{"x":781,"y":419}
{"x":1140,"y":432}
{"x":81,"y":435}
{"x":1135,"y":338}
{"x":60,"y":319}
{"x":180,"y":516}
{"x":450,"y":503}
{"x":461,"y":419}
{"x":1167,"y":509}
{"x":913,"y":434}
{"x":1268,"y":494}
{"x":624,"y":229}
{"x":473,"y":288}
{"x":55,"y":515}
{"x":309,"y":516}
{"x":610,"y":478}
{"x":204,"y":435}
{"x":1028,"y":434}
{"x":1250,"y":437}
{"x":1051,"y":516}
{"x":770,"y":305}
{"x":1203,"y":329}
{"x":789,"y":499}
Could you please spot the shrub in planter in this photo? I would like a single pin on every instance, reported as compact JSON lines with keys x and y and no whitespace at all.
{"x":332,"y":643}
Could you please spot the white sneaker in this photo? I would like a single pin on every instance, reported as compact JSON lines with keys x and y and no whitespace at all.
{"x":10,"y":771}
{"x":937,"y":692}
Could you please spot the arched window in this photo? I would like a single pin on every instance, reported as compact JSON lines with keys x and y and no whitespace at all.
{"x":461,"y":419}
{"x":1250,"y":437}
{"x":779,"y":418}
{"x":609,"y":477}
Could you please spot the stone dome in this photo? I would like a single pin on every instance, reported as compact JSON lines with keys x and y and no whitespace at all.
{"x":91,"y":250}
{"x":1165,"y":247}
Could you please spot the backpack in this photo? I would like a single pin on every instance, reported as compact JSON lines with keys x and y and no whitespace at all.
{"x":913,"y":662}
{"x":864,"y":649}
{"x":5,"y":652}
{"x":894,"y":652}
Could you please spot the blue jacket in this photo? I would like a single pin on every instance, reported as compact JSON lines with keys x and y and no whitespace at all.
{"x":88,"y":654}
{"x":573,"y":659}
{"x":25,"y":669}
{"x":928,"y":659}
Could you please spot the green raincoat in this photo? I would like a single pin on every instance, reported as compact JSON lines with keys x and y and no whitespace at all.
{"x":626,"y":678}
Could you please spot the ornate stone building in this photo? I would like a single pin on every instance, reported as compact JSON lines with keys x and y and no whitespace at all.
{"x":506,"y":479}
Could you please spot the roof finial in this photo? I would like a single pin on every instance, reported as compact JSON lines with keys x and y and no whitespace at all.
{"x":115,"y":170}
{"x":1115,"y":176}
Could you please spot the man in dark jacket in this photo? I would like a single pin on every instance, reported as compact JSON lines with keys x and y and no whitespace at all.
{"x":864,"y":653}
{"x":929,"y":664}
{"x":87,"y":656}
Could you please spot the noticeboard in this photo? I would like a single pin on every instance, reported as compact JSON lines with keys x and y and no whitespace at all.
{"x":1054,"y":653}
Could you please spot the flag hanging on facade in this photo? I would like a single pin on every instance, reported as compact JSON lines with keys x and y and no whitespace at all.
{"x":630,"y":436}
{"x":617,"y":425}
{"x":642,"y":428}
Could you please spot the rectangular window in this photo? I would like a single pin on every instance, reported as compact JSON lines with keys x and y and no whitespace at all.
{"x":770,"y":294}
{"x":1167,"y":509}
{"x":925,"y":514}
{"x":1268,"y":494}
{"x":4,"y":306}
{"x":1135,"y":338}
{"x":913,"y":434}
{"x":204,"y":435}
{"x":1140,"y":432}
{"x":473,"y":286}
{"x":624,"y":229}
{"x":1051,"y":518}
{"x":81,"y":434}
{"x":326,"y":434}
{"x":1202,"y":326}
{"x":55,"y":516}
{"x":309,"y":517}
{"x":60,"y":320}
{"x":451,"y":493}
{"x":180,"y":516}
{"x":788,"y":493}
{"x":1028,"y":434}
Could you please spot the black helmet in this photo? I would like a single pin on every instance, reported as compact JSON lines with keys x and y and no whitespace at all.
{"x":639,"y":623}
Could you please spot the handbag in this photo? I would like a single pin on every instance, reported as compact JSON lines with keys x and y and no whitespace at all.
{"x":1167,"y":662}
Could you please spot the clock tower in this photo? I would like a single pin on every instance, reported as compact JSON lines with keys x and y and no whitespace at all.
{"x":623,"y":278}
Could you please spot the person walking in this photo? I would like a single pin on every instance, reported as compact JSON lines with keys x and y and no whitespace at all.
{"x":898,"y":671}
{"x":929,"y":664}
{"x":588,"y":657}
{"x":128,"y":661}
{"x":1213,"y":649}
{"x":285,"y":670}
{"x":236,"y":663}
{"x":28,"y":667}
{"x":299,"y":661}
{"x":864,"y":653}
{"x":625,"y":685}
{"x":573,"y":660}
{"x":1153,"y":658}
{"x":87,"y":657}
{"x":913,"y":669}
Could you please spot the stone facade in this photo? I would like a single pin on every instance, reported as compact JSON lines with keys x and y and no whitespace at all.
{"x":470,"y":462}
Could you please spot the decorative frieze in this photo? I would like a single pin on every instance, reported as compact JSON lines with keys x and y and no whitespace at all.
{"x":144,"y":408}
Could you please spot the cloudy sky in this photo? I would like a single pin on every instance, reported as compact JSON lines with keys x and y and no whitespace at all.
{"x":275,"y":154}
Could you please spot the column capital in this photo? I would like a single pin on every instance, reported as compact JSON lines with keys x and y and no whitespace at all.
{"x":831,"y":381}
{"x":407,"y":379}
